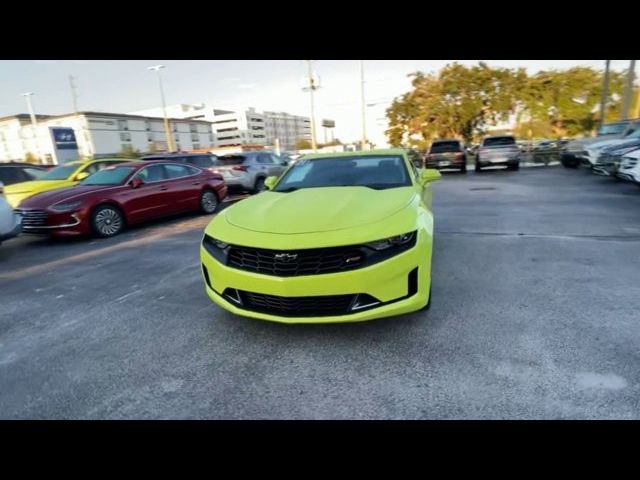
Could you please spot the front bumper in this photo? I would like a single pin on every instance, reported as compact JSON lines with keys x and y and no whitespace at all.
{"x":44,"y":222}
{"x":386,"y":282}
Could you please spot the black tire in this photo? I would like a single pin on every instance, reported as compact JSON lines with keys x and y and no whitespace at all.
{"x":259,"y":186}
{"x":515,"y":167}
{"x":107,"y":221}
{"x":463,"y":169}
{"x":478,"y":169}
{"x":208,"y":202}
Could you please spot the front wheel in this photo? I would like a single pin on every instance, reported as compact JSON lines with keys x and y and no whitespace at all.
{"x":107,"y":221}
{"x":259,"y":186}
{"x":208,"y":202}
{"x":478,"y":169}
{"x":463,"y":169}
{"x":515,"y":167}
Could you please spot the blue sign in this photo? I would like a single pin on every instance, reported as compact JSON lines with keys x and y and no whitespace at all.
{"x":64,"y":138}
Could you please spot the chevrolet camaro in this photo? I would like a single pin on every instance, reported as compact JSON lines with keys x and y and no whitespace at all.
{"x":337,"y":238}
{"x":105,"y":202}
{"x":59,"y":177}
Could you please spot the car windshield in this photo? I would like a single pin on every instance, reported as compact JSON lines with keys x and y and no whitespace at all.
{"x":108,"y":176}
{"x":375,"y":171}
{"x":499,"y":141}
{"x":612,"y":129}
{"x":59,"y":173}
{"x":445,"y":147}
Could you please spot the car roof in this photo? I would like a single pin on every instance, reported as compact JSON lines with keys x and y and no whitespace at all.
{"x":446,"y":140}
{"x":138,"y":163}
{"x":359,"y":153}
{"x":175,"y":154}
{"x":500,"y":136}
{"x":21,"y":164}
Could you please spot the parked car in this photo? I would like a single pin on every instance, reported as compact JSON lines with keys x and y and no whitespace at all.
{"x":598,"y":156}
{"x":10,"y":222}
{"x":630,"y":167}
{"x":498,"y":150}
{"x":356,"y":250}
{"x":59,"y":177}
{"x":574,"y":150}
{"x":610,"y":159}
{"x":415,"y":157}
{"x":200,"y":160}
{"x":17,"y":172}
{"x":124,"y":194}
{"x":248,"y":170}
{"x":447,"y":154}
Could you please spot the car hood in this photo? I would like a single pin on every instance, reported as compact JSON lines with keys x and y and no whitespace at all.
{"x":312,"y":210}
{"x":68,"y":194}
{"x":35,"y":186}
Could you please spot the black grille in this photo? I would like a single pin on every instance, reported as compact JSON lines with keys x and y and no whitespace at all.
{"x":326,"y":305}
{"x":33,"y":218}
{"x":295,"y":262}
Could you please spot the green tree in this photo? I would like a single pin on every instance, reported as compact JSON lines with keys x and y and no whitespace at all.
{"x":128,"y":152}
{"x":458,"y":101}
{"x":303,"y":144}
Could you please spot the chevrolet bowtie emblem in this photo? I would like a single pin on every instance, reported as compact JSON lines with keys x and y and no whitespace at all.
{"x":286,"y":257}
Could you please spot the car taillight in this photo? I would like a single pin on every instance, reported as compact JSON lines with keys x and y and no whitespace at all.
{"x":241,"y":168}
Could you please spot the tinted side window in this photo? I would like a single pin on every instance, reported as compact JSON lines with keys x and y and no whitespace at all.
{"x":9,"y":175}
{"x":176,"y":171}
{"x":264,"y":158}
{"x":202,"y":161}
{"x":33,"y":173}
{"x":152,"y":173}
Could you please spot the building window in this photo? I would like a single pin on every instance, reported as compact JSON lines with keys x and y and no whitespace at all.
{"x":123,"y":125}
{"x":194,"y":137}
{"x":175,"y":127}
{"x":196,"y":146}
{"x":193,"y":128}
{"x":211,"y":140}
{"x":147,"y":126}
{"x":125,"y":137}
{"x":149,"y":137}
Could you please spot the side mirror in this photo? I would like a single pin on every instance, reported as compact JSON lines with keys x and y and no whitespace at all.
{"x":82,"y":176}
{"x":429,"y":175}
{"x":285,"y":163}
{"x":136,"y":182}
{"x":270,"y":182}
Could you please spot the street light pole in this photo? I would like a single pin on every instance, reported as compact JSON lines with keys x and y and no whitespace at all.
{"x":167,"y":131}
{"x":27,"y":97}
{"x":605,"y":92}
{"x":312,"y":87}
{"x":363,"y":105}
{"x":34,"y":122}
{"x":628,"y":91}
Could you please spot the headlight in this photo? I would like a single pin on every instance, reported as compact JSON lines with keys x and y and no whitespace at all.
{"x":216,"y":248}
{"x":390,"y":242}
{"x":65,"y":207}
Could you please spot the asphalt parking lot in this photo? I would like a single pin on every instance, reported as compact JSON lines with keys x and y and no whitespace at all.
{"x":535,"y":314}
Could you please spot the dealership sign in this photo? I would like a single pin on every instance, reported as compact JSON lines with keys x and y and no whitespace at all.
{"x":64,"y":138}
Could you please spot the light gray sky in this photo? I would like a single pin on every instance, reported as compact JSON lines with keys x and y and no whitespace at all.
{"x":127,"y":85}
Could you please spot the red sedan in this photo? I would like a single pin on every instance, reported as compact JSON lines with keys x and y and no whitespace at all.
{"x":125,"y":194}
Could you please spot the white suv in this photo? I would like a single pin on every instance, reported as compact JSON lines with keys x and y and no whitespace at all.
{"x":10,"y":222}
{"x":630,"y":167}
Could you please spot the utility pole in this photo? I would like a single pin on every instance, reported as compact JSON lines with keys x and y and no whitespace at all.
{"x":167,"y":131}
{"x":628,"y":91}
{"x":605,"y":92}
{"x":363,"y":106}
{"x":74,"y":95}
{"x":312,"y":87}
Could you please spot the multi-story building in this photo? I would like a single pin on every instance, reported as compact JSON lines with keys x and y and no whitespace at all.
{"x":99,"y":134}
{"x":287,"y":128}
{"x":243,"y":126}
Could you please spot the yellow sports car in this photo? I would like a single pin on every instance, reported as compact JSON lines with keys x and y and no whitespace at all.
{"x":65,"y":175}
{"x":340,"y":237}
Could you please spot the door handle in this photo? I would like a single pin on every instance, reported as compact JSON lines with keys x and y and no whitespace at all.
{"x":164,"y":187}
{"x":195,"y":183}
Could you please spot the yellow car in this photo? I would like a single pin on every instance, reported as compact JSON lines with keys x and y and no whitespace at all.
{"x":339,"y":237}
{"x":65,"y":175}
